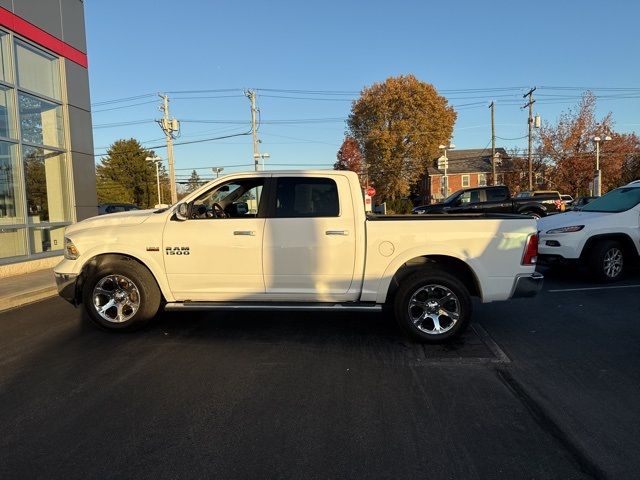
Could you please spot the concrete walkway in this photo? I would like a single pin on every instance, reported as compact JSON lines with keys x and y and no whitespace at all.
{"x":30,"y":287}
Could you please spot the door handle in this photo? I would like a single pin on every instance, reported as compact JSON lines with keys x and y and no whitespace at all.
{"x":249,"y":233}
{"x":337,"y":232}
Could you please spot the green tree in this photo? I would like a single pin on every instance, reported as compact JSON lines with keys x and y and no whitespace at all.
{"x":125,"y":175}
{"x":194,"y":182}
{"x":398,"y":125}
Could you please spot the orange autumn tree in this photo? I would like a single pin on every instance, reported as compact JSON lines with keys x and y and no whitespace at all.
{"x":569,"y":148}
{"x":398,"y":125}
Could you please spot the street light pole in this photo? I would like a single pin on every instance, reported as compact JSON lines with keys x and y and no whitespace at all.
{"x":157,"y":161}
{"x":598,"y":179}
{"x":445,"y":187}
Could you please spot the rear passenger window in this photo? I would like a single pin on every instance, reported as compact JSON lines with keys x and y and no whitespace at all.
{"x":496,"y":194}
{"x":306,"y":197}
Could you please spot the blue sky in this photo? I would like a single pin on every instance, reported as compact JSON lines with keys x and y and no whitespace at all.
{"x":139,"y":48}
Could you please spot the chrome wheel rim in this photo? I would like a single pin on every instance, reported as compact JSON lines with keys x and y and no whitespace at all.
{"x":116,"y":298}
{"x":613,"y":262}
{"x":434,"y":309}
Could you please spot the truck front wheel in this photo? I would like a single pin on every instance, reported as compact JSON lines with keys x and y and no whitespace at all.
{"x":120,"y":294}
{"x":432,"y":306}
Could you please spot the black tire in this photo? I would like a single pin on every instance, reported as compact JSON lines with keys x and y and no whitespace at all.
{"x":129,"y":283}
{"x":607,"y":261}
{"x":532,"y":213}
{"x":424,"y":329}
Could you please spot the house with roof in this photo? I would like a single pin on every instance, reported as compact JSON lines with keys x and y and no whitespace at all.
{"x":465,"y":168}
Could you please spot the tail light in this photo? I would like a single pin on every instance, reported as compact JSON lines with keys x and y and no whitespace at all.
{"x":530,"y":256}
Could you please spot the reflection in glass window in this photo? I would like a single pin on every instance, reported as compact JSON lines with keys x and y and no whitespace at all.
{"x":5,"y":71}
{"x":45,"y":175}
{"x":40,"y":121}
{"x":12,"y":242}
{"x":37,"y":71}
{"x":11,"y":211}
{"x":46,"y":239}
{"x":6,"y":112}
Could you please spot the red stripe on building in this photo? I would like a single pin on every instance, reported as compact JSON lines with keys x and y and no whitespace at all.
{"x":39,"y":36}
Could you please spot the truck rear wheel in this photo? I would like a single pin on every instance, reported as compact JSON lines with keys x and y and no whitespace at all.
{"x":432,"y":306}
{"x":532,"y":213}
{"x":606,"y":261}
{"x":120,"y":294}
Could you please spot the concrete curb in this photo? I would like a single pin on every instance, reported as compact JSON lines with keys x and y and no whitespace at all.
{"x":25,"y":298}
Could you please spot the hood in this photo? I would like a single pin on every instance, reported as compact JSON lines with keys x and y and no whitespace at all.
{"x":568,"y":219}
{"x":431,"y":207}
{"x":134,"y":217}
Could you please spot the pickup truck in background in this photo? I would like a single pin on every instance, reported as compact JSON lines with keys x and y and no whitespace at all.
{"x":295,"y":241}
{"x":495,"y":199}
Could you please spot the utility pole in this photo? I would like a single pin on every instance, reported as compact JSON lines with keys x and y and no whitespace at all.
{"x":492,"y":106}
{"x":169,"y":125}
{"x":251,"y":95}
{"x":530,"y":105}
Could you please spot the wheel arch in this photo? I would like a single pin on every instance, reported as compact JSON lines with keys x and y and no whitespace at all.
{"x":450,"y":264}
{"x":99,"y":259}
{"x":626,"y":241}
{"x":533,"y":208}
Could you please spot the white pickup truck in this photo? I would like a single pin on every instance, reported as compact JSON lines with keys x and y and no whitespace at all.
{"x":295,"y":240}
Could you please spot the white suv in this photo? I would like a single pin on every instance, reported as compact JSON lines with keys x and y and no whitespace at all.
{"x":604,"y":234}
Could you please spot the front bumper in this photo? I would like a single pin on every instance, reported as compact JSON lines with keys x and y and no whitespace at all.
{"x":67,"y":286}
{"x":527,"y":285}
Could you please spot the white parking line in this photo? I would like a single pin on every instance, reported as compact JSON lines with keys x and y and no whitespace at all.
{"x":592,"y":288}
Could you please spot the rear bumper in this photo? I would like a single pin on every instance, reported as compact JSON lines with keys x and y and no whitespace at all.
{"x":67,"y":286}
{"x":527,"y":285}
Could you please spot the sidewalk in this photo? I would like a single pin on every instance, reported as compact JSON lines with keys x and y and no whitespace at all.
{"x":30,"y":287}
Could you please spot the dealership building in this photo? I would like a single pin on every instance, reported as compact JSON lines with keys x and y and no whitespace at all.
{"x":47,"y":172}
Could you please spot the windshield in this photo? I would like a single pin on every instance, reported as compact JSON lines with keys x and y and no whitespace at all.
{"x":617,"y":200}
{"x":451,"y":197}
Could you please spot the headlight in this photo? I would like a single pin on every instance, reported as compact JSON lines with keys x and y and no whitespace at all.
{"x":70,"y":250}
{"x":573,"y":228}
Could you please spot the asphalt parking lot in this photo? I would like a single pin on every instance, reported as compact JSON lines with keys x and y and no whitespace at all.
{"x":537,"y":388}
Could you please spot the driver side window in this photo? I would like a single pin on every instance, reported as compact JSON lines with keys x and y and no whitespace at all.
{"x":470,"y":196}
{"x":234,"y":199}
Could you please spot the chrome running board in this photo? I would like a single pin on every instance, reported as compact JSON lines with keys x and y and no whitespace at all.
{"x":275,"y":306}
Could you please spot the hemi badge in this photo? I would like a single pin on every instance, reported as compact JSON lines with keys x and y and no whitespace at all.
{"x":153,"y":249}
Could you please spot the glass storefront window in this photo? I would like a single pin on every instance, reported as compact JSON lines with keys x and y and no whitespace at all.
{"x":11,"y":211}
{"x":45,"y":176}
{"x":40,"y":121}
{"x":5,"y":69}
{"x":12,"y":242}
{"x":34,"y":186}
{"x":46,"y":239}
{"x":37,"y":71}
{"x":7,"y":110}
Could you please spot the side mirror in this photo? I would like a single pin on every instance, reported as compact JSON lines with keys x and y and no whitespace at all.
{"x":182,"y":211}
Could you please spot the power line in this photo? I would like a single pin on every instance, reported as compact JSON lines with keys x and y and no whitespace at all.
{"x":122,"y":124}
{"x":122,"y":106}
{"x":120,"y":100}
